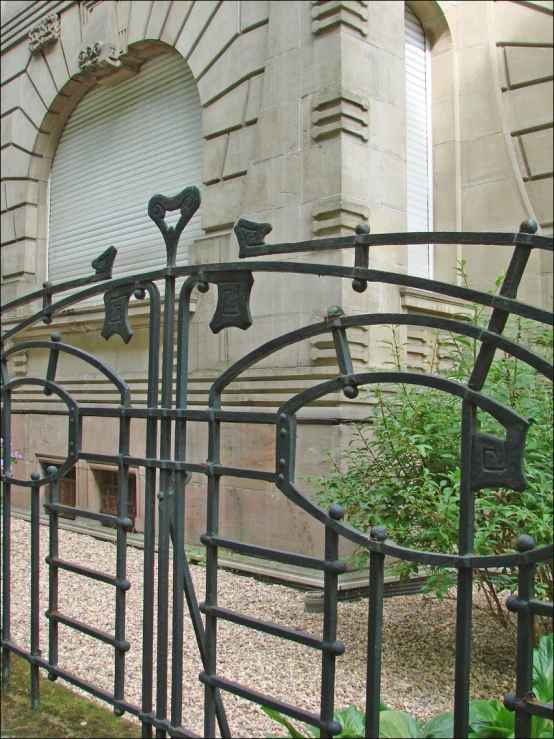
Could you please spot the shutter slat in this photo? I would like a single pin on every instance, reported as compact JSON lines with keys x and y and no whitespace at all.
{"x":120,"y":146}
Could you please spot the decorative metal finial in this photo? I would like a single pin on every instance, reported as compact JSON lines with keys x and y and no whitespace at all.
{"x":188,"y":202}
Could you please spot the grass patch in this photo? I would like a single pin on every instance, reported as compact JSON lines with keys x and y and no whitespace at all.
{"x":62,"y":713}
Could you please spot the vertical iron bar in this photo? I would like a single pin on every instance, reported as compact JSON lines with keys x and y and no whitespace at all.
{"x":178,"y":598}
{"x":163,"y":584}
{"x":121,"y":562}
{"x":464,"y":601}
{"x":6,"y":536}
{"x":35,"y":590}
{"x":164,"y":508}
{"x":150,"y":510}
{"x":53,"y":575}
{"x":181,"y":573}
{"x":212,"y":516}
{"x":149,"y":556}
{"x":177,"y":528}
{"x":374,"y":635}
{"x":525,"y":634}
{"x":328,"y":655}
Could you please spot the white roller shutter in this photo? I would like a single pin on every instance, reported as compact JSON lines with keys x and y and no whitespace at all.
{"x":417,"y":147}
{"x":120,"y":146}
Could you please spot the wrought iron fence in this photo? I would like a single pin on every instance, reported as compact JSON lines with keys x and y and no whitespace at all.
{"x":485,"y":461}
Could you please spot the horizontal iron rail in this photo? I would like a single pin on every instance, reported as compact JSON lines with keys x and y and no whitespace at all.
{"x":535,"y":708}
{"x":276,"y":555}
{"x":80,"y":570}
{"x":393,"y":239}
{"x":101,"y":517}
{"x":541,"y":608}
{"x":102,"y":636}
{"x":283,"y":632}
{"x":370,"y":275}
{"x":261,"y":699}
{"x":399,"y":239}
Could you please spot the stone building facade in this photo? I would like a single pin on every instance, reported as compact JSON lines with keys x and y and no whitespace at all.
{"x":302,"y":122}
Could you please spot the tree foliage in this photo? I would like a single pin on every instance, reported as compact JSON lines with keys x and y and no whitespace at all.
{"x":401,"y":467}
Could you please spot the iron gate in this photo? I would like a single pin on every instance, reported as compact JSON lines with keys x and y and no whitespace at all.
{"x":486,"y":461}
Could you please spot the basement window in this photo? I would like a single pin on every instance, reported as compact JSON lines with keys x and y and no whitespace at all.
{"x":107,"y":481}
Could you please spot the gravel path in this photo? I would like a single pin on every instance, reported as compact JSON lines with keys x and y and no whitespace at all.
{"x":418,"y":650}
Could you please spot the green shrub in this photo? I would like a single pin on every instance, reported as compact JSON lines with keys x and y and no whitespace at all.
{"x":401,"y":467}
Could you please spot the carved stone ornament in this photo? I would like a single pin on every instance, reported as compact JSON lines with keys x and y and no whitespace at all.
{"x":100,"y":52}
{"x":99,"y":58}
{"x":44,"y":32}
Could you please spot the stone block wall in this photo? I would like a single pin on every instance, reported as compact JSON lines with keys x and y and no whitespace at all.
{"x":304,"y":127}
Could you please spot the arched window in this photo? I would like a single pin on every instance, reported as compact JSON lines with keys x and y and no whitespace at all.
{"x":121,"y":145}
{"x":418,"y":149}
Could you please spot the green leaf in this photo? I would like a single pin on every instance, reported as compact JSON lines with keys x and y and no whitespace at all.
{"x":439,"y":727}
{"x":543,"y":682}
{"x":542,"y":728}
{"x":276,"y":716}
{"x":492,"y":720}
{"x":353,"y":722}
{"x":394,"y":725}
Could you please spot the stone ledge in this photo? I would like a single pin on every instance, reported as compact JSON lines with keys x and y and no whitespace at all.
{"x":337,"y":214}
{"x":422,"y":301}
{"x":340,"y":109}
{"x":328,"y":14}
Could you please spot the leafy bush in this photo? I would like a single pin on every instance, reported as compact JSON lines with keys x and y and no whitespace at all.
{"x":401,"y":467}
{"x":487,"y":719}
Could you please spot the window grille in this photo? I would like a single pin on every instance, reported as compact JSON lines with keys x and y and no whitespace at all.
{"x":108,"y":485}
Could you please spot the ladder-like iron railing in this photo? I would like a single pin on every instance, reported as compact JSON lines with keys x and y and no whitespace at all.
{"x":486,"y":461}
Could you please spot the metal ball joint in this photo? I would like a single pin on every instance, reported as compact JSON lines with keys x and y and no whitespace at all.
{"x":378,"y":533}
{"x":56,"y":336}
{"x":510,"y":701}
{"x":336,"y":512}
{"x":331,"y":727}
{"x":35,"y":476}
{"x":529,"y":226}
{"x":525,"y":543}
{"x":350,"y":391}
{"x":337,"y":648}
